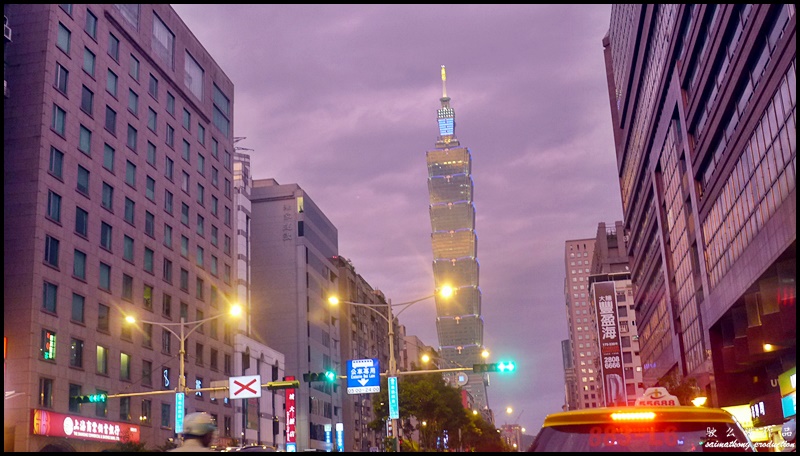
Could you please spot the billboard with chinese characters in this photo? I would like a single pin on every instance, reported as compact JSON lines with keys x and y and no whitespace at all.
{"x":291,"y":416}
{"x":45,"y":422}
{"x":608,"y":341}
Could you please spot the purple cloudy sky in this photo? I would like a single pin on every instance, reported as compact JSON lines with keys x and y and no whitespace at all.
{"x":342,"y":100}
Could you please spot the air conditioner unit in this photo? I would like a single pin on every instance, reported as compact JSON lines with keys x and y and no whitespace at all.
{"x":7,"y":32}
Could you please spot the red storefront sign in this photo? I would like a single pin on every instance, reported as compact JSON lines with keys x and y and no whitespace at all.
{"x":45,"y":422}
{"x":291,"y":415}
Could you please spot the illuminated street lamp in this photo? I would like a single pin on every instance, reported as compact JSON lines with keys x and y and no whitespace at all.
{"x":235,"y":311}
{"x":444,"y":292}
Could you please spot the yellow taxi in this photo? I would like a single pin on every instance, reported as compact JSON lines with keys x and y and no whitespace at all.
{"x":642,"y":428}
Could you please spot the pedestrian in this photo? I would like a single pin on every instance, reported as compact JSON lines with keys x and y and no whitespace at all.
{"x":198,"y":432}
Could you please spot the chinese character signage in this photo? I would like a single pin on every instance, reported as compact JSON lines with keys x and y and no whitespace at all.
{"x":608,"y":342}
{"x":394,"y":405}
{"x":44,"y":422}
{"x":291,"y":415}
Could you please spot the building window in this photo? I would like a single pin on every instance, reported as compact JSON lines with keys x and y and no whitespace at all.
{"x":130,"y":12}
{"x":111,"y":120}
{"x":133,"y":102}
{"x":147,"y":374}
{"x":107,"y":197}
{"x":132,"y":137}
{"x":88,"y":61}
{"x":130,"y":174}
{"x":200,"y":253}
{"x":187,"y":122}
{"x":108,"y":157}
{"x":102,"y":360}
{"x":127,"y":287}
{"x":168,"y":201}
{"x":166,"y":306}
{"x":148,"y":260}
{"x":61,"y":78}
{"x":103,"y":318}
{"x":59,"y":124}
{"x":56,"y":166}
{"x":130,"y":210}
{"x":185,"y":214}
{"x":166,"y":415}
{"x":198,"y":353}
{"x":184,"y":280}
{"x":125,"y":408}
{"x":49,"y":297}
{"x":46,"y":392}
{"x":91,"y":25}
{"x":81,"y":221}
{"x":201,"y":230}
{"x":151,"y":153}
{"x":147,"y":297}
{"x":54,"y":206}
{"x":51,"y":251}
{"x":200,"y":286}
{"x":193,"y":76}
{"x":167,"y":236}
{"x":147,"y":335}
{"x":64,"y":36}
{"x":221,"y":111}
{"x":74,"y":391}
{"x":105,"y":277}
{"x":186,"y":151}
{"x":152,"y":87}
{"x":85,"y":140}
{"x":79,"y":265}
{"x":163,"y":43}
{"x":124,"y":366}
{"x":185,"y":181}
{"x":201,"y":134}
{"x":149,"y":224}
{"x":201,"y":196}
{"x":152,"y":119}
{"x":167,"y":272}
{"x":227,"y":364}
{"x":134,"y":69}
{"x":127,"y":248}
{"x":112,"y":83}
{"x":171,"y":103}
{"x":150,"y":189}
{"x":78,"y":305}
{"x":76,"y":353}
{"x":169,"y":168}
{"x":184,"y":246}
{"x":166,"y":341}
{"x":145,"y":417}
{"x":83,"y":180}
{"x":105,"y":235}
{"x":170,"y":137}
{"x":113,"y":46}
{"x":184,"y":311}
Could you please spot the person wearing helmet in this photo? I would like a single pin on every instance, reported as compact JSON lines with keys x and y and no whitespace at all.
{"x":198,"y":432}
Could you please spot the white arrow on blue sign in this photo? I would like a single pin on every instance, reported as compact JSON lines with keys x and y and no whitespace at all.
{"x":363,"y":376}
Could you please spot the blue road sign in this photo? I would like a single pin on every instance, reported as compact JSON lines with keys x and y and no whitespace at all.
{"x":394,"y":403}
{"x":363,"y":376}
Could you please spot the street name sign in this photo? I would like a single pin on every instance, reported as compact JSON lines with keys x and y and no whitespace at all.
{"x":363,"y":376}
{"x":394,"y":403}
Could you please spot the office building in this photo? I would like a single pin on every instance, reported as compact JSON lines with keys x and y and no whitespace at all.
{"x":364,"y":335}
{"x":459,"y":323}
{"x":118,"y":202}
{"x":292,"y":250}
{"x":703,"y":106}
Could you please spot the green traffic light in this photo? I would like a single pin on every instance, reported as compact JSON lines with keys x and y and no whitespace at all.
{"x":330,"y":376}
{"x":506,"y":366}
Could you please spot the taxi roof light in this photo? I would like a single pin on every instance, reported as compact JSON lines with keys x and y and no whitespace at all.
{"x":633,"y":416}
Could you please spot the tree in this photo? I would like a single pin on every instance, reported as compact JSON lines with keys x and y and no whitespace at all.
{"x":684,"y":388}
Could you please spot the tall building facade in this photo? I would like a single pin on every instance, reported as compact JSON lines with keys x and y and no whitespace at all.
{"x":259,"y":420}
{"x":117,"y":202}
{"x":586,"y":390}
{"x":293,"y":246}
{"x":459,"y":323}
{"x":364,"y":335}
{"x":703,"y":104}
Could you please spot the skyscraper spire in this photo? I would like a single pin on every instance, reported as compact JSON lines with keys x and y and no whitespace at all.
{"x":444,"y":83}
{"x":447,"y":118}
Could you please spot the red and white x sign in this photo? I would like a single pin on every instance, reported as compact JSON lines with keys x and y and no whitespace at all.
{"x":244,"y":387}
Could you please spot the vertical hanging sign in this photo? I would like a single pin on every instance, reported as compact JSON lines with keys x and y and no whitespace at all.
{"x":394,"y":406}
{"x":291,"y":415}
{"x":609,"y":343}
{"x":180,"y":410}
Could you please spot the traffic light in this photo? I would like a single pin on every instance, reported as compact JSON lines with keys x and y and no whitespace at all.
{"x":91,"y":398}
{"x":327,"y":376}
{"x":286,"y":384}
{"x":502,"y":366}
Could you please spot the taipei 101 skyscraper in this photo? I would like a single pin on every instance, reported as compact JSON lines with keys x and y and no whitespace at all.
{"x":455,"y":262}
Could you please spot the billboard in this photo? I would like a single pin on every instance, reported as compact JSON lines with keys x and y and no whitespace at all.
{"x":291,"y":416}
{"x":608,"y":341}
{"x":45,"y":422}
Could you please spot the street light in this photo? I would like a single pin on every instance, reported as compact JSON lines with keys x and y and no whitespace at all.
{"x":444,"y":292}
{"x":235,"y":311}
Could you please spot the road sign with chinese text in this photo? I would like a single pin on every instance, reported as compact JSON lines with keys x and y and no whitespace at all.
{"x":394,"y":404}
{"x":363,"y":376}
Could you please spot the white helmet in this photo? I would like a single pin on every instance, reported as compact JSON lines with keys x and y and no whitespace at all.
{"x":198,"y":424}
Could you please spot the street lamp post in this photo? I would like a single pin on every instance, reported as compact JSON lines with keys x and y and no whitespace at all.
{"x":235,"y":311}
{"x":392,"y":370}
